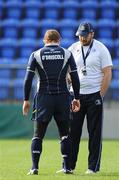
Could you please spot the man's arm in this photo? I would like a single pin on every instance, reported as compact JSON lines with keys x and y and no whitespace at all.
{"x":74,"y":77}
{"x":30,"y":72}
{"x":75,"y":105}
{"x":106,"y":62}
{"x":107,"y":71}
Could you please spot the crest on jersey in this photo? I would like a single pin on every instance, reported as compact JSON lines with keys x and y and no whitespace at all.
{"x":51,"y":50}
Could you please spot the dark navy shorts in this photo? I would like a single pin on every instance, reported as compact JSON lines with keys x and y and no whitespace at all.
{"x":47,"y":106}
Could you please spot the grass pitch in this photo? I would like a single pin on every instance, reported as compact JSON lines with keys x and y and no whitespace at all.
{"x":15,"y":161}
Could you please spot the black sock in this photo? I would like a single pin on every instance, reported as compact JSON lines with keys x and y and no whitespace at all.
{"x":36,"y":149}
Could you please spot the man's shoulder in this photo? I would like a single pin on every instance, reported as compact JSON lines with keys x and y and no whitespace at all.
{"x":37,"y":52}
{"x":99,"y":43}
{"x":101,"y":47}
{"x":74,"y":45}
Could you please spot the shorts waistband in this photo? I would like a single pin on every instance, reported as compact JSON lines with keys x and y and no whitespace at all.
{"x":90,"y":94}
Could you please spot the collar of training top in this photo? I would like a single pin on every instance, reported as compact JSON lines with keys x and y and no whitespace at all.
{"x":52,"y":44}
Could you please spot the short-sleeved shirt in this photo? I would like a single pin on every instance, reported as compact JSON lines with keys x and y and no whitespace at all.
{"x":98,"y":58}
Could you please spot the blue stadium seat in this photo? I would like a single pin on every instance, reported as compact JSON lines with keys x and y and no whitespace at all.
{"x":18,"y":89}
{"x":40,"y":43}
{"x":70,"y":9}
{"x":20,"y":73}
{"x":116,"y":68}
{"x":17,"y":0}
{"x":5,"y":71}
{"x":66,"y":42}
{"x":105,"y":28}
{"x":8,"y":48}
{"x":6,"y":61}
{"x":68,"y":28}
{"x":89,"y":9}
{"x":51,"y":9}
{"x":88,"y":0}
{"x":116,"y":74}
{"x":26,"y":47}
{"x":115,"y":89}
{"x":109,"y":0}
{"x":10,"y":28}
{"x":21,"y":63}
{"x":116,"y":62}
{"x":108,"y":9}
{"x":51,"y":0}
{"x":29,"y":28}
{"x":48,"y":24}
{"x":1,"y":9}
{"x":109,"y":43}
{"x":115,"y":84}
{"x":27,"y":1}
{"x":33,"y":9}
{"x":4,"y":88}
{"x":14,"y":9}
{"x":117,"y":28}
{"x":116,"y":46}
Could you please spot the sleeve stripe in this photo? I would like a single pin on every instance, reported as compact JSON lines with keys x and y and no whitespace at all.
{"x":30,"y":70}
{"x":74,"y":71}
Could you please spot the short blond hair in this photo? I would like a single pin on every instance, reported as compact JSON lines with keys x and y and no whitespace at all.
{"x":52,"y":35}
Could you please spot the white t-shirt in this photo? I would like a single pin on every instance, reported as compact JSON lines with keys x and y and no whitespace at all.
{"x":98,"y":58}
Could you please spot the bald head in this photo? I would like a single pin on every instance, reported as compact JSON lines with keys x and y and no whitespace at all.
{"x":51,"y":36}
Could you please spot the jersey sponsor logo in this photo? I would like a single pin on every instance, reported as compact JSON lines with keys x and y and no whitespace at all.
{"x":52,"y":51}
{"x":52,"y":57}
{"x":78,"y":51}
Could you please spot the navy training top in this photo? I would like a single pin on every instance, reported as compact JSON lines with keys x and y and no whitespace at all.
{"x":51,"y":63}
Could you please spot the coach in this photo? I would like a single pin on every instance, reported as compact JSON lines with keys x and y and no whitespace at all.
{"x":52,"y":63}
{"x":94,"y":68}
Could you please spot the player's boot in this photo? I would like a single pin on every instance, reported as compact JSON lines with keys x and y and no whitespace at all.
{"x":66,"y":171}
{"x":33,"y":172}
{"x":89,"y":171}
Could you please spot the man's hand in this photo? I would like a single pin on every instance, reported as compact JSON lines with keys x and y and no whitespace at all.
{"x":26,"y":107}
{"x":75,"y":105}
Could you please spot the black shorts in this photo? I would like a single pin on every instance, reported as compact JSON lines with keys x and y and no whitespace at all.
{"x":46,"y":106}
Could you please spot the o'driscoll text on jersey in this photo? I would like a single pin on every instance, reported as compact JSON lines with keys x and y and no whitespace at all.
{"x":52,"y":57}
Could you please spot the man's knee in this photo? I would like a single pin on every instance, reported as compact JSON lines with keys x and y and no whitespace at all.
{"x":36,"y":139}
{"x":64,"y":138}
{"x":36,"y":146}
{"x":65,"y":144}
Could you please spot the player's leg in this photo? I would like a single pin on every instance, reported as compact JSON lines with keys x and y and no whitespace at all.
{"x":61,"y":115}
{"x":43,"y":114}
{"x":94,"y":124}
{"x":65,"y":144}
{"x":77,"y":120}
{"x":36,"y":146}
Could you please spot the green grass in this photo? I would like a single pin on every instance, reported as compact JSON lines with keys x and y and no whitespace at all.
{"x":15,"y":161}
